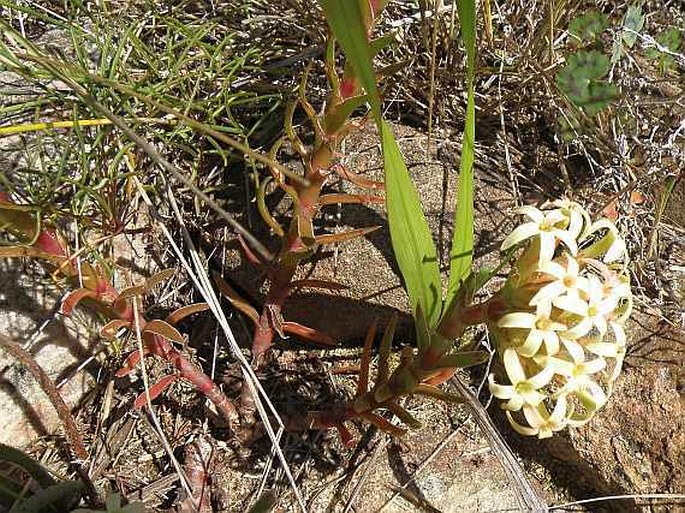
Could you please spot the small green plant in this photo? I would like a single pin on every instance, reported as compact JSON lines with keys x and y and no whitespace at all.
{"x":587,"y":28}
{"x":27,"y":487}
{"x":670,"y":40}
{"x":582,"y":80}
{"x":553,"y":310}
{"x":113,"y":505}
{"x":633,"y":22}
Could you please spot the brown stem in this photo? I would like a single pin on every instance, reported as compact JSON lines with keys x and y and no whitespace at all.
{"x":53,"y":394}
{"x":66,"y":418}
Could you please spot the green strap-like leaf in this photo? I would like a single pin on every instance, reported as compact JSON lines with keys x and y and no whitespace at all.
{"x":409,"y":232}
{"x":411,"y":238}
{"x":346,"y":19}
{"x":462,"y":241}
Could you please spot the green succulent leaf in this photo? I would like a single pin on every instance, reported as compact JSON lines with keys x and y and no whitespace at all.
{"x":588,"y":27}
{"x":581,"y":80}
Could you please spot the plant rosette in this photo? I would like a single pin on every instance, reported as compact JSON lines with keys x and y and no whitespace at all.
{"x":560,"y":335}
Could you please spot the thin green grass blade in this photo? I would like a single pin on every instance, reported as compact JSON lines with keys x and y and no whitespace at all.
{"x":462,"y":241}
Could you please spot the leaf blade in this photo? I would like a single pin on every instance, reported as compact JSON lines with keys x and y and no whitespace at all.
{"x":409,"y":232}
{"x":461,"y":254}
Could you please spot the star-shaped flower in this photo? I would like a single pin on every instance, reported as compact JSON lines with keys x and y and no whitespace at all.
{"x":541,"y":422}
{"x":523,"y":390}
{"x":542,"y":329}
{"x":579,"y":219}
{"x":593,"y":312}
{"x":567,"y":281}
{"x":578,"y":374}
{"x":546,"y":226}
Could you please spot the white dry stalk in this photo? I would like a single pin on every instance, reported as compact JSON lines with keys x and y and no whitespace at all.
{"x":649,"y":42}
{"x":148,"y":400}
{"x":647,"y":496}
{"x":198,"y":275}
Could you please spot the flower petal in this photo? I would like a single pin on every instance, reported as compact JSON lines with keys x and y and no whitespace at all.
{"x":601,"y":324}
{"x":500,"y":391}
{"x":547,"y":246}
{"x":574,"y":349}
{"x":571,"y":304}
{"x":619,"y":334}
{"x":594,"y":366}
{"x":514,"y":404}
{"x":532,"y":397}
{"x":517,"y":320}
{"x":542,"y":378}
{"x":559,"y":413}
{"x":606,"y":349}
{"x":534,"y":213}
{"x":513,"y":366}
{"x":534,"y":417}
{"x":575,"y":225}
{"x":532,"y":344}
{"x":522,"y":430}
{"x":568,"y":239}
{"x":579,"y":329}
{"x":521,"y":233}
{"x":557,"y":365}
{"x":551,"y":342}
{"x":593,"y":395}
{"x":616,"y":251}
{"x":618,"y":364}
{"x":553,"y":269}
{"x":548,"y":293}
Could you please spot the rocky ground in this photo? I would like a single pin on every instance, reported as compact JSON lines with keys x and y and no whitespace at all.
{"x":635,"y":445}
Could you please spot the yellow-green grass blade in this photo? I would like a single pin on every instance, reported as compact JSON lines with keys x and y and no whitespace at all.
{"x":461,"y":255}
{"x":346,"y":19}
{"x":409,"y":232}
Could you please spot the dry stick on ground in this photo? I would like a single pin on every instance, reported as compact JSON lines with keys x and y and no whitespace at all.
{"x":646,"y":496}
{"x":528,"y":497}
{"x":201,"y":281}
{"x":70,"y":429}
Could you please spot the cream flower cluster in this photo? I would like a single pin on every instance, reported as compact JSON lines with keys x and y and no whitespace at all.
{"x":559,"y":329}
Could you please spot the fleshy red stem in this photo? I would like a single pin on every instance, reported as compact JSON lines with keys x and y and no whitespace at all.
{"x":162,"y":347}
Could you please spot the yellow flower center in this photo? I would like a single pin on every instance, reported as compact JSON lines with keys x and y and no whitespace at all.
{"x":543,"y":323}
{"x":569,"y":281}
{"x":592,"y":311}
{"x":546,"y":225}
{"x":524,"y":387}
